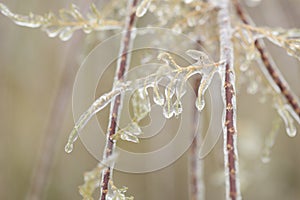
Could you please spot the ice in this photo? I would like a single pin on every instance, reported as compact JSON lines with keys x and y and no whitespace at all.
{"x":143,"y":7}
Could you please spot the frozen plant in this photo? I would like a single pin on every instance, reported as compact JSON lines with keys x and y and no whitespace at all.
{"x":221,"y":26}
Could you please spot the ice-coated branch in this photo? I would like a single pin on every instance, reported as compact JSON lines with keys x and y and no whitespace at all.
{"x":116,"y":106}
{"x":271,"y":71}
{"x":64,"y":25}
{"x":228,"y":93}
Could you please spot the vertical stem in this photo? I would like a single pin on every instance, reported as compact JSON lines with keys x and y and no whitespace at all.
{"x":44,"y":163}
{"x":228,"y":92}
{"x":196,"y":165}
{"x":122,"y":67}
{"x":271,"y":69}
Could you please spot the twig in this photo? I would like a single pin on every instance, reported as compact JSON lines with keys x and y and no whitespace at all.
{"x":269,"y":64}
{"x":228,"y":92}
{"x":44,"y":163}
{"x":196,"y":165}
{"x":122,"y":67}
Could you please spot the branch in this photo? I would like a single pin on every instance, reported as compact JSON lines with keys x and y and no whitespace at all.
{"x":122,"y":67}
{"x":269,"y":64}
{"x":228,"y":92}
{"x":196,"y":166}
{"x":64,"y":25}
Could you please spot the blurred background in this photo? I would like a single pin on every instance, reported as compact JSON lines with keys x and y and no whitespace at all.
{"x":36,"y":79}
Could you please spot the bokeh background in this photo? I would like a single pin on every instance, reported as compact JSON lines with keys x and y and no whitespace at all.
{"x":36,"y":78}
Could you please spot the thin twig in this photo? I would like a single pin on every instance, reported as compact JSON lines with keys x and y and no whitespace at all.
{"x":228,"y":92}
{"x":269,"y":64}
{"x":196,"y":164}
{"x":122,"y":67}
{"x":49,"y":146}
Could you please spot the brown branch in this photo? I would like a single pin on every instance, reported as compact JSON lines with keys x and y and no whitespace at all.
{"x":268,"y":63}
{"x":122,"y":67}
{"x":229,"y":123}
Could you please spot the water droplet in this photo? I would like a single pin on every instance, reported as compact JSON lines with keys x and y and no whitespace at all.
{"x":69,"y":148}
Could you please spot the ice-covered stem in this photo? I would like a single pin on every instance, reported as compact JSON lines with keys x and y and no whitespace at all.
{"x":228,"y":92}
{"x":49,"y":144}
{"x":122,"y":67}
{"x":196,"y":165}
{"x":269,"y":64}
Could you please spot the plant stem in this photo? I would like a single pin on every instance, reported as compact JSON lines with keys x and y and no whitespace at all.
{"x":228,"y":92}
{"x":196,"y":164}
{"x":49,"y":143}
{"x":269,"y":64}
{"x":116,"y":106}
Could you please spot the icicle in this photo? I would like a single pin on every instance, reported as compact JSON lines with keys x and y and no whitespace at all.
{"x":98,"y":105}
{"x":287,"y":119}
{"x":270,"y":141}
{"x":158,"y":98}
{"x":168,"y":109}
{"x":177,"y":107}
{"x":143,"y":7}
{"x":66,"y":34}
{"x":205,"y":81}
